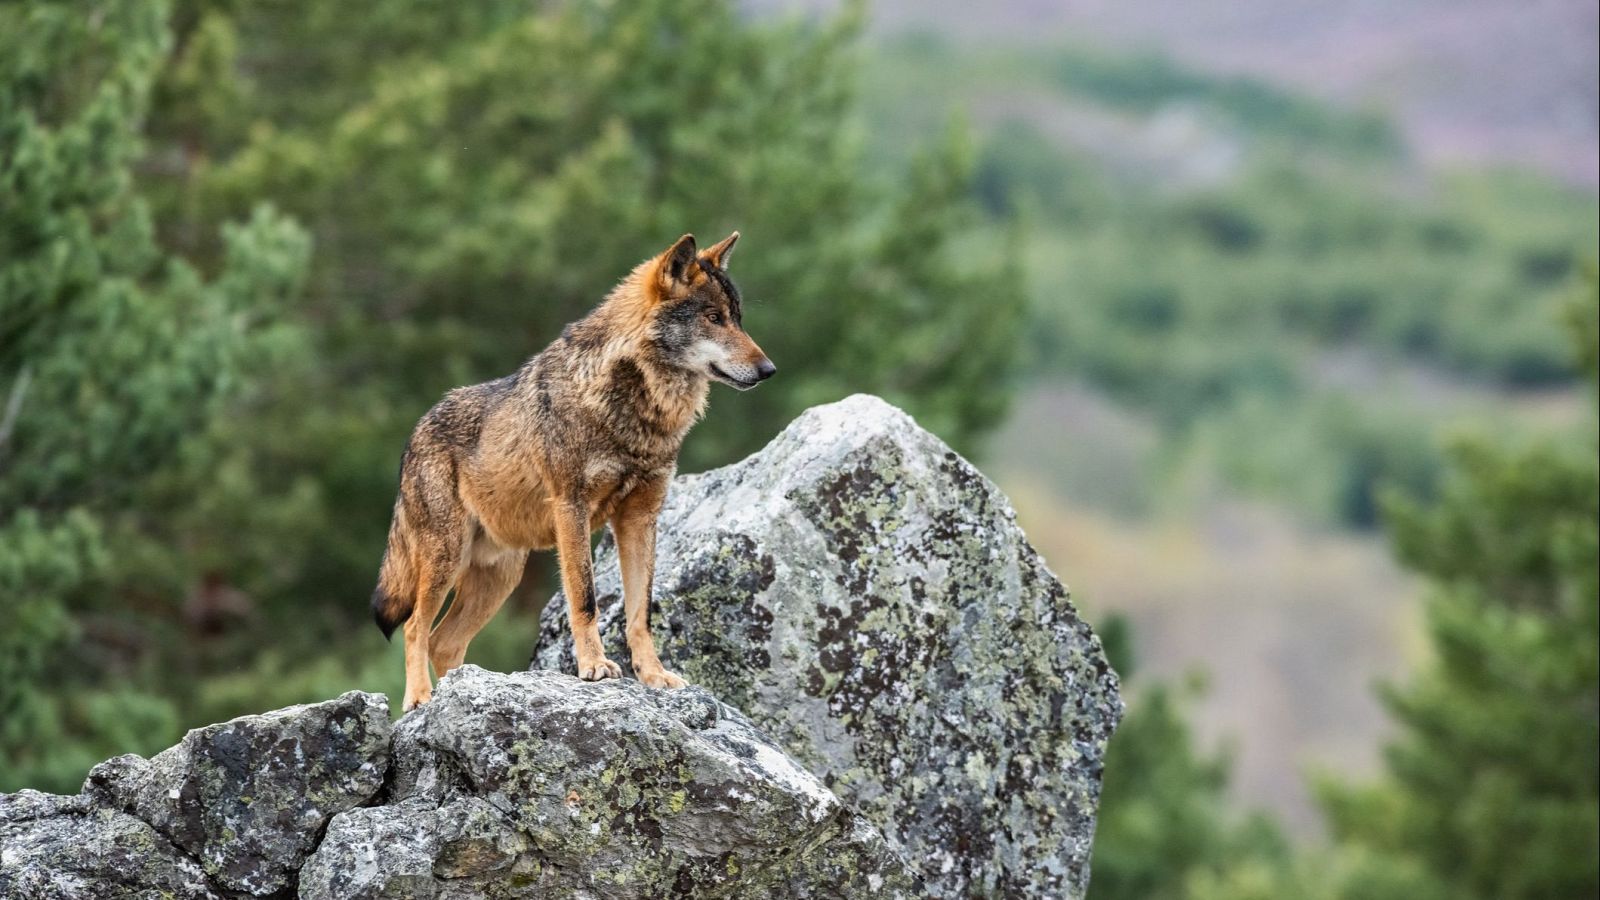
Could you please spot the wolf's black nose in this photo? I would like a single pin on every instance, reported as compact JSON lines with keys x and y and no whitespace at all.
{"x":764,"y":369}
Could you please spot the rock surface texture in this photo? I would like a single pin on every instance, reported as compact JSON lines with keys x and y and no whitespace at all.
{"x":528,"y":785}
{"x":233,"y":810}
{"x":65,"y":847}
{"x":506,"y":785}
{"x":865,"y":596}
{"x":539,"y":785}
{"x":247,"y":798}
{"x":857,"y":589}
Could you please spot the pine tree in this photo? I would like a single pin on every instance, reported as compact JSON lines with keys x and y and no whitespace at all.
{"x":113,"y":358}
{"x":1493,"y":787}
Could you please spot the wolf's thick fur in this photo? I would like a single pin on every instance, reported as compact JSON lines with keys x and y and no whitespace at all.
{"x":585,"y":433}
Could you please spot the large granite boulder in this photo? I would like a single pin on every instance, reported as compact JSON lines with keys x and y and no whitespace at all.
{"x":539,"y":785}
{"x":865,"y":596}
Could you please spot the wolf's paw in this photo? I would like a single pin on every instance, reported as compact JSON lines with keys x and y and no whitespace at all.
{"x":598,"y":669}
{"x":414,"y":702}
{"x":661,"y":678}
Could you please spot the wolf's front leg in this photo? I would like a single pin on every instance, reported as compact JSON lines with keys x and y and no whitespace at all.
{"x":577,"y":580}
{"x":635,"y":526}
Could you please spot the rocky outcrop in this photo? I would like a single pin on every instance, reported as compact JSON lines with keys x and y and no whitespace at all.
{"x":233,"y":810}
{"x":248,"y":798}
{"x":528,"y":785}
{"x":65,"y":847}
{"x":927,"y":716}
{"x":540,"y":785}
{"x":866,"y":597}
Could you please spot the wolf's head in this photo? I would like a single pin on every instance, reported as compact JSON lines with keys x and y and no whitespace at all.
{"x":699,"y":319}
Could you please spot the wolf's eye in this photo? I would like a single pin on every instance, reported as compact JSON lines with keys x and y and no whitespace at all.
{"x":716,"y":318}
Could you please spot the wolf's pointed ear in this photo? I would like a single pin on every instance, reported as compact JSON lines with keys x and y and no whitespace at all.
{"x":717,"y":254}
{"x":676,"y":262}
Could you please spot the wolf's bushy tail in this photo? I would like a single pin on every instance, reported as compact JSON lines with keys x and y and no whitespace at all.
{"x":397,"y":583}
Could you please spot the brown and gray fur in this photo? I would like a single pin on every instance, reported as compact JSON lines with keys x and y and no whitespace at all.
{"x":583,"y":434}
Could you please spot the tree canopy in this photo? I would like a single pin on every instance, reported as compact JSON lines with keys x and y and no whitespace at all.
{"x":115,"y":357}
{"x":246,"y":246}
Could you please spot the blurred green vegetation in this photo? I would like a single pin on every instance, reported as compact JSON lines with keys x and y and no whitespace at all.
{"x":1491,"y":788}
{"x":1166,"y":828}
{"x":1267,"y":278}
{"x":117,"y":356}
{"x":1146,"y":82}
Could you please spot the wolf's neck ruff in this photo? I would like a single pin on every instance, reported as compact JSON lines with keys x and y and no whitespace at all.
{"x":628,"y":376}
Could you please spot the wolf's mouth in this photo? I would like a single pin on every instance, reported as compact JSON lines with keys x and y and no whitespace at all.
{"x":727,"y":379}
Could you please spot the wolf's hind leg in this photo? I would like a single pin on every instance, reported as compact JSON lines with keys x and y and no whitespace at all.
{"x":436,"y":566}
{"x":480,"y":592}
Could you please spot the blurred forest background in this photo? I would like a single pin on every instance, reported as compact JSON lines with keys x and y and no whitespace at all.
{"x":1276,"y":321}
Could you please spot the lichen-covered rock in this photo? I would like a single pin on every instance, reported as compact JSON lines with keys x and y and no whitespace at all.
{"x":866,"y":597}
{"x":537,"y":784}
{"x":66,"y":848}
{"x":505,"y":786}
{"x":248,"y":798}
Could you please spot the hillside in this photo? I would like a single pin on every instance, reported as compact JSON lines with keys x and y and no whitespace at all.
{"x":1467,"y":83}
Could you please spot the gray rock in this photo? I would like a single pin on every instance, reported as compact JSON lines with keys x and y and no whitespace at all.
{"x":249,"y":797}
{"x":65,"y":848}
{"x":866,"y":596}
{"x":539,"y":785}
